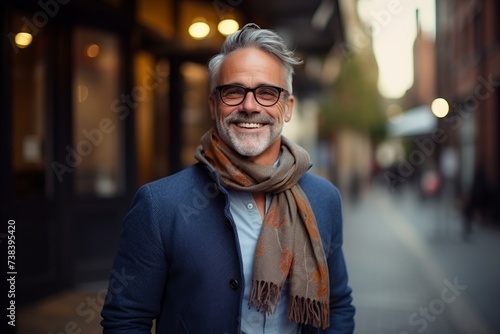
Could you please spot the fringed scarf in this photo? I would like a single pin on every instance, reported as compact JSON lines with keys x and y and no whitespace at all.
{"x":289,"y":245}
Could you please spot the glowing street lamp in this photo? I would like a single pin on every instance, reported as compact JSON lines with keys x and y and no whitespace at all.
{"x":228,"y":26}
{"x":23,"y":39}
{"x":440,"y":107}
{"x":199,"y":29}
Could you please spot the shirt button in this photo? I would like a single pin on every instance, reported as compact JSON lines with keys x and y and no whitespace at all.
{"x":233,"y":284}
{"x":250,"y":206}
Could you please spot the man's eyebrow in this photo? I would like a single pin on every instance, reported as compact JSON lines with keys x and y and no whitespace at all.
{"x":258,"y":85}
{"x":234,"y":83}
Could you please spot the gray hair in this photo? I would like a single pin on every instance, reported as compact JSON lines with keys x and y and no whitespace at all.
{"x":251,"y":35}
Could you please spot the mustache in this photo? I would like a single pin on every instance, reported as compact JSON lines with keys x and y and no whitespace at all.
{"x":249,"y":118}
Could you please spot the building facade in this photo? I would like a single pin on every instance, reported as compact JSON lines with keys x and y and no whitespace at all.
{"x":468,"y":77}
{"x":100,"y":97}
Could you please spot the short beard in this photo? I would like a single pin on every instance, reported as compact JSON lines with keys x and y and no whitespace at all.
{"x":236,"y":141}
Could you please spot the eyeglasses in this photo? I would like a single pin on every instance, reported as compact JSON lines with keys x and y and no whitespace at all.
{"x":266,"y":96}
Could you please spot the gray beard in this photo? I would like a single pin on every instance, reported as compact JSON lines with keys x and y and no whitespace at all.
{"x":234,"y":141}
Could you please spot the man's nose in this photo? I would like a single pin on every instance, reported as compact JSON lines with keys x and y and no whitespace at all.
{"x":249,"y":103}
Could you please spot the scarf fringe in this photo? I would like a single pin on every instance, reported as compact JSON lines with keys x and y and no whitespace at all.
{"x":265,"y":296}
{"x":309,"y":312}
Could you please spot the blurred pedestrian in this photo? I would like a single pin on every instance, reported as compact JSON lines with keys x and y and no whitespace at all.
{"x":477,"y":200}
{"x":246,"y":240}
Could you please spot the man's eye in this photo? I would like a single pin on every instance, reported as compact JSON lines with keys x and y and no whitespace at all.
{"x":267,"y":93}
{"x":232,"y":91}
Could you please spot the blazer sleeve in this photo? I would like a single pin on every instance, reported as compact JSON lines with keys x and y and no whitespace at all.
{"x":139,"y":271}
{"x":341,"y":308}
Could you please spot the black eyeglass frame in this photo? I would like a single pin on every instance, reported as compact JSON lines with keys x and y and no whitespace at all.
{"x":246,"y":90}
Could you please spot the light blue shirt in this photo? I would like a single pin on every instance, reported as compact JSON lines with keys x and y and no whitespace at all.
{"x":248,"y":225}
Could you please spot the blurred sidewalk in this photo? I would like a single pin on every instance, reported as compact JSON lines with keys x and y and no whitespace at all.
{"x":411,"y":272}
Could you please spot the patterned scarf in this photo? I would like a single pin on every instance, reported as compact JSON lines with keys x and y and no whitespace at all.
{"x":289,"y":245}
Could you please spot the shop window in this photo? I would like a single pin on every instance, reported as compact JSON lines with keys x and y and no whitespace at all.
{"x":29,"y":110}
{"x":151,"y":116}
{"x":195,"y":114}
{"x":100,"y":108}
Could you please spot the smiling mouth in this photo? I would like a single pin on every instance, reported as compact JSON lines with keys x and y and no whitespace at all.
{"x":247,"y":125}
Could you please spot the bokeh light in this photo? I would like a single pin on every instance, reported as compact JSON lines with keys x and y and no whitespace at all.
{"x":23,"y":39}
{"x":228,"y":26}
{"x":199,"y":29}
{"x":440,"y":107}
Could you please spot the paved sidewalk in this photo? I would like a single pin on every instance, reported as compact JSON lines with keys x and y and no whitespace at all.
{"x":412,"y":273}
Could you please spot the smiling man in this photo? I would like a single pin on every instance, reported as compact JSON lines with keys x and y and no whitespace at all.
{"x":252,"y":126}
{"x":246,"y":240}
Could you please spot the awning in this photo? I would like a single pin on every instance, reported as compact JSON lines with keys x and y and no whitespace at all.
{"x":413,"y":122}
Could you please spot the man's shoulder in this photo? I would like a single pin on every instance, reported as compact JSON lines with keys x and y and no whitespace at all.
{"x":312,"y":183}
{"x":325,"y":201}
{"x":188,"y":178}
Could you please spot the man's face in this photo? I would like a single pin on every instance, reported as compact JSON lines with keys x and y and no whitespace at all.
{"x":249,"y":128}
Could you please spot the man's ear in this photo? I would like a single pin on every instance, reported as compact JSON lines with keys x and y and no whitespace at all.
{"x":212,"y":105}
{"x":289,"y":108}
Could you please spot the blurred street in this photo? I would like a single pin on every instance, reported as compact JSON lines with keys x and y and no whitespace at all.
{"x":411,"y":271}
{"x":409,"y":268}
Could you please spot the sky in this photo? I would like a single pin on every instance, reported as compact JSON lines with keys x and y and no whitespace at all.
{"x":394,"y":29}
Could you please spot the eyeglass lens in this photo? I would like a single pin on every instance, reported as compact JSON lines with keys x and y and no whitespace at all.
{"x":234,"y":95}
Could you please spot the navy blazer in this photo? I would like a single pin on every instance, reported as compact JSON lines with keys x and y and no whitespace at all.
{"x":179,"y":259}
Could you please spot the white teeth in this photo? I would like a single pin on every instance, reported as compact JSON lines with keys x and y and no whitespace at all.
{"x":249,"y":125}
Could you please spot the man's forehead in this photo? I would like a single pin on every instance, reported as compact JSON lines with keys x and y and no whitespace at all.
{"x":251,"y":62}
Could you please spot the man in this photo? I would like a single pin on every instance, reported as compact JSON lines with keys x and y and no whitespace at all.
{"x":246,"y":240}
